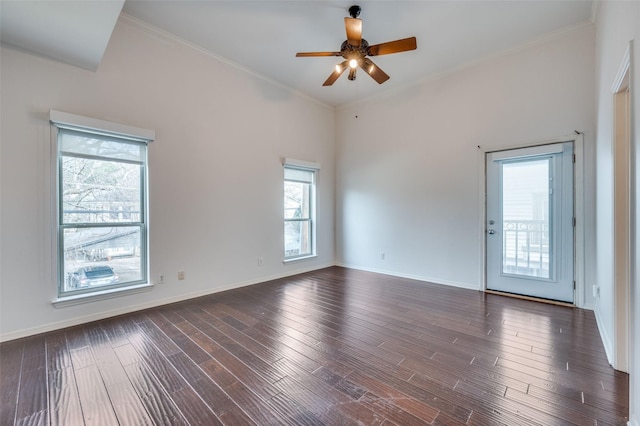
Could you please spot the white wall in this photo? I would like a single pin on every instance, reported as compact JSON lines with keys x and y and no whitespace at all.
{"x":409,"y":168}
{"x":617,"y":24}
{"x":215,"y":171}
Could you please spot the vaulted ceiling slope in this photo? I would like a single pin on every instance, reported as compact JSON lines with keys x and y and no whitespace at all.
{"x":264,"y":36}
{"x":74,"y":32}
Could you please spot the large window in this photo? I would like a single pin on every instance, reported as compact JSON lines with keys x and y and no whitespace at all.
{"x":101,"y":205}
{"x":299,"y":211}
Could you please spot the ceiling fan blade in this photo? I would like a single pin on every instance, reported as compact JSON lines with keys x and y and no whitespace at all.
{"x":336,"y":73}
{"x":374,"y":71}
{"x":354,"y":31}
{"x":393,"y":47}
{"x":306,"y":54}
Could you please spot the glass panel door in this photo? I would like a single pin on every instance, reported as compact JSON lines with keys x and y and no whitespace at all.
{"x":529,"y":236}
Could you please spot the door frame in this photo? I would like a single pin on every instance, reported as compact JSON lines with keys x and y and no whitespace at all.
{"x":623,"y":227}
{"x":578,"y":206}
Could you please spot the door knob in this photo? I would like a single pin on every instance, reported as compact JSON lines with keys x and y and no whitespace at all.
{"x":492,"y":231}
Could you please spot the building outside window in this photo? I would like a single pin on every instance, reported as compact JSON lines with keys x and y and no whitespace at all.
{"x":101,"y":208}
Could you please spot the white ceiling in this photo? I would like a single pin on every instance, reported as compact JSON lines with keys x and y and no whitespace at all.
{"x":264,"y":36}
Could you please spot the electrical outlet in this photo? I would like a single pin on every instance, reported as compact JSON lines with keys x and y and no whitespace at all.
{"x":180,"y":275}
{"x":161,"y":278}
{"x":260,"y":261}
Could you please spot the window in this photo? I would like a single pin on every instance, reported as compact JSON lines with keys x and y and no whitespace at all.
{"x":101,"y":175}
{"x":299,"y":209}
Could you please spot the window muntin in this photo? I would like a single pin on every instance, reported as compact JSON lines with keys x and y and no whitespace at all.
{"x":299,"y":205}
{"x":102,"y":183}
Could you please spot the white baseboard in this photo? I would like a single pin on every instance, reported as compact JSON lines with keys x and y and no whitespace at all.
{"x":129,"y":309}
{"x":633,"y":421}
{"x":411,"y":276}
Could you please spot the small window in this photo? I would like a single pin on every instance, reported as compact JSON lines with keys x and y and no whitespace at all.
{"x":299,"y":212}
{"x":101,"y":207}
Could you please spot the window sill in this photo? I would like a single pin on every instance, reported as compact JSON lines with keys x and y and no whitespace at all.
{"x":295,"y":259}
{"x":79,"y":299}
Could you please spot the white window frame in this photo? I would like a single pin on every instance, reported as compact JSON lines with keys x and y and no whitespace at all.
{"x":65,"y":122}
{"x":312,"y":167}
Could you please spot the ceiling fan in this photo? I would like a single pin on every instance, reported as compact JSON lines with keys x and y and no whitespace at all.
{"x":355,"y":50}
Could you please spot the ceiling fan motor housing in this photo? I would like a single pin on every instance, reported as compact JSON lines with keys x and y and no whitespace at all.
{"x":352,"y":52}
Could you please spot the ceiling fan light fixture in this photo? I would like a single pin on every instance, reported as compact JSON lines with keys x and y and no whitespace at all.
{"x":353,"y":63}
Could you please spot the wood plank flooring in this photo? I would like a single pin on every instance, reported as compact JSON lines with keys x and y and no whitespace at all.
{"x":333,"y":347}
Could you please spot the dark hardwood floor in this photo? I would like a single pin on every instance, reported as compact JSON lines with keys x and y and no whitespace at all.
{"x":335,"y":346}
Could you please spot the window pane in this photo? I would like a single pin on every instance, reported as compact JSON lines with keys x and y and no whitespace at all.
{"x":297,"y":238}
{"x":526,"y":223}
{"x":100,"y":191}
{"x":296,"y":200}
{"x":99,"y":257}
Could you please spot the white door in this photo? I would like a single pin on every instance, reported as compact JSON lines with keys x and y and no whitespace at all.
{"x":530,"y":225}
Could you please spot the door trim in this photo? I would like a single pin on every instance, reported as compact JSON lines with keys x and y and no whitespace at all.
{"x":578,"y":206}
{"x":623,"y":227}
